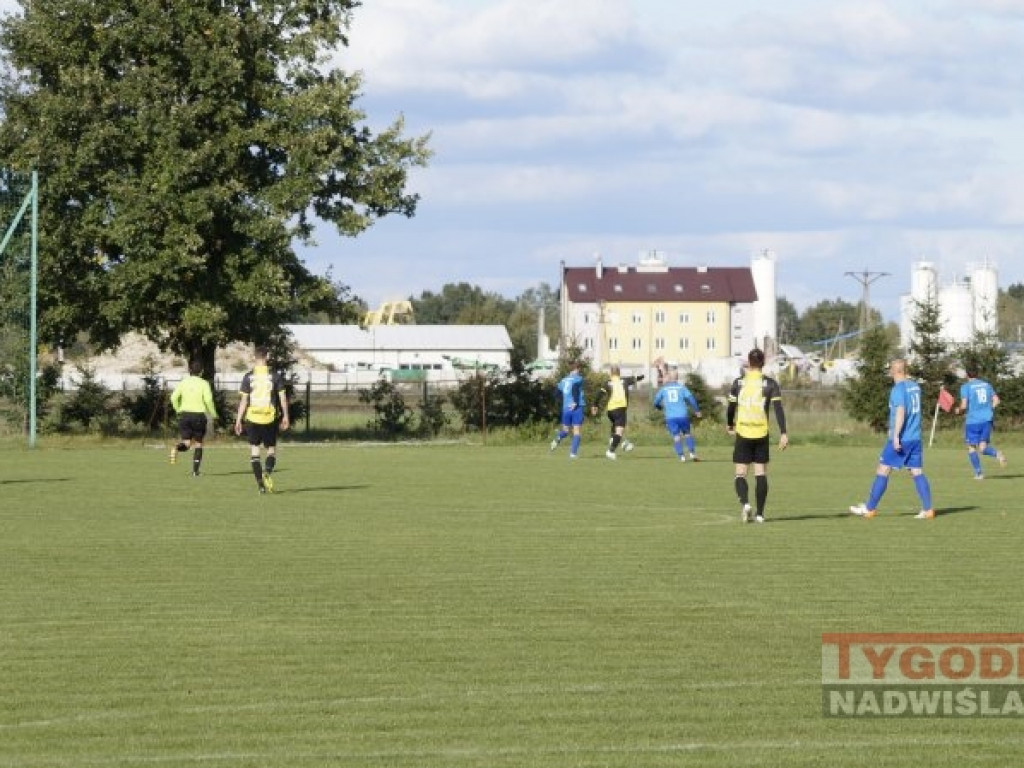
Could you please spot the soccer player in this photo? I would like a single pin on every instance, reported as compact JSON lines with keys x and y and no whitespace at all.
{"x":192,"y":400}
{"x":903,"y":447}
{"x":978,"y":400}
{"x":677,"y":401}
{"x":570,"y":392}
{"x":746,"y":417}
{"x":616,"y":389}
{"x":262,"y":391}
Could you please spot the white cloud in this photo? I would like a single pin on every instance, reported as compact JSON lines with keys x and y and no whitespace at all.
{"x":842,"y":135}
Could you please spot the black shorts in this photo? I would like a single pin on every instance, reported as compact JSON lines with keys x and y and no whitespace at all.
{"x":261,"y":434}
{"x":617,"y":416}
{"x":192,"y":426}
{"x":750,"y":450}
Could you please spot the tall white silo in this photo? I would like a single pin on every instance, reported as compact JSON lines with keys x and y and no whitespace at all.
{"x":924,"y":289}
{"x":762,"y":269}
{"x":985,"y":292}
{"x":924,"y":282}
{"x":956,"y":313}
{"x":907,"y":309}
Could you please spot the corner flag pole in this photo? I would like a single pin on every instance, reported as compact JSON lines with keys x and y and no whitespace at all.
{"x":935,"y":418}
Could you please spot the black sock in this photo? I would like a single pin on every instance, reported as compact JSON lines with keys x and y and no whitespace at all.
{"x":616,"y":439}
{"x":181,"y":447}
{"x":197,"y":459}
{"x":761,"y":492}
{"x":741,"y":489}
{"x":271,"y":463}
{"x":257,"y":470}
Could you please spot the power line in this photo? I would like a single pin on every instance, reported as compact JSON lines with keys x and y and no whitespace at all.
{"x":865,"y":279}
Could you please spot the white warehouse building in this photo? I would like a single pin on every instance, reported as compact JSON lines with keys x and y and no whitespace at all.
{"x":431,"y":348}
{"x":967,"y":305}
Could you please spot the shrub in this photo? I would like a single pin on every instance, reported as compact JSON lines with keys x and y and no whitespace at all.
{"x":392,"y":417}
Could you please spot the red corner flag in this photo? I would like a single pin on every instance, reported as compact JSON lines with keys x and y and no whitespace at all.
{"x":945,"y":400}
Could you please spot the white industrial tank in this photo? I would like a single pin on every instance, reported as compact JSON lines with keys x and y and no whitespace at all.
{"x":762,"y":269}
{"x":985,"y":293}
{"x":956,"y":313}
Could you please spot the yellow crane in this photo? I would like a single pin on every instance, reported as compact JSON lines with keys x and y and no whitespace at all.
{"x":390,"y":313}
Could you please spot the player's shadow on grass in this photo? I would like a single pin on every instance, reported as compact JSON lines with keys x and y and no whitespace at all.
{"x":316,"y":488}
{"x":36,"y":480}
{"x":991,"y":478}
{"x":248,"y":472}
{"x":798,"y":518}
{"x":943,"y":511}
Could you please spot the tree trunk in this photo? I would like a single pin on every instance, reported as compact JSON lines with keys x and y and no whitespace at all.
{"x":206,"y":353}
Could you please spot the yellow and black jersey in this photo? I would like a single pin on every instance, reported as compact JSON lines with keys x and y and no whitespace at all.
{"x":749,"y":399}
{"x":616,"y":390}
{"x":264,"y":388}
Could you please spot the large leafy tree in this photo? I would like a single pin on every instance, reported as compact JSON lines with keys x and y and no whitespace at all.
{"x":1011,"y":313}
{"x":787,"y":320}
{"x":828,"y":319}
{"x":461,"y":304}
{"x":183,"y":147}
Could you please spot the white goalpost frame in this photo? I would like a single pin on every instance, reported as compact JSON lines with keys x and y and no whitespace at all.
{"x":31,"y":202}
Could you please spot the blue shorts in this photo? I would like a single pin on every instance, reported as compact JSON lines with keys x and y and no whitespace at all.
{"x":975,"y":434}
{"x":679,"y":426}
{"x":573,"y":418}
{"x":911,"y":455}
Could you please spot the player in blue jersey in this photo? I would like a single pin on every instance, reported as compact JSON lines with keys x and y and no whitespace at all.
{"x":570,"y":394}
{"x":677,"y":402}
{"x":903,"y":446}
{"x":978,"y":400}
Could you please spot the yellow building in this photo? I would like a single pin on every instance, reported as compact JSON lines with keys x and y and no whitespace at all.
{"x":634,"y":315}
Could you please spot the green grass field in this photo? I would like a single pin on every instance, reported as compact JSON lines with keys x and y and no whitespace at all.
{"x":459,"y":605}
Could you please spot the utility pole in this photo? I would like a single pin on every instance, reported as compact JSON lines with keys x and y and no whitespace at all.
{"x":865,"y":279}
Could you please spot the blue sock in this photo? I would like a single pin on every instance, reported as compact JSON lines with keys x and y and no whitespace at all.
{"x":990,"y":451}
{"x":574,"y":446}
{"x":878,"y":487}
{"x":562,"y":435}
{"x":677,"y":446}
{"x":691,"y":445}
{"x":924,"y":490}
{"x":975,"y":461}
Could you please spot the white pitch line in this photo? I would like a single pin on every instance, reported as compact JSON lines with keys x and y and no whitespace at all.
{"x":438,"y":697}
{"x":470,"y":753}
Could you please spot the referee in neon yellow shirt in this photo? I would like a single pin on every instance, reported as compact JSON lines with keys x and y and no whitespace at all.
{"x":192,"y":400}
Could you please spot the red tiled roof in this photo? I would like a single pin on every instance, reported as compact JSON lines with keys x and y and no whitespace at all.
{"x":726,"y":284}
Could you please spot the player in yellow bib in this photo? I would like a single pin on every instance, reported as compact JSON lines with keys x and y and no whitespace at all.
{"x":616,"y":390}
{"x":261,"y":392}
{"x":746,"y":418}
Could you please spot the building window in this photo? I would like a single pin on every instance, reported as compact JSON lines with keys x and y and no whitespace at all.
{"x":613,"y":343}
{"x":677,"y":288}
{"x":588,"y":343}
{"x":659,"y":316}
{"x":617,"y":288}
{"x":638,"y":343}
{"x":637,"y":318}
{"x":582,"y":287}
{"x":684,"y":343}
{"x":710,"y":344}
{"x":684,"y":318}
{"x":659,"y":343}
{"x":652,"y":289}
{"x":711,"y":317}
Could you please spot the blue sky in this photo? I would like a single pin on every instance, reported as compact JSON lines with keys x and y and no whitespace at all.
{"x":843,"y":136}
